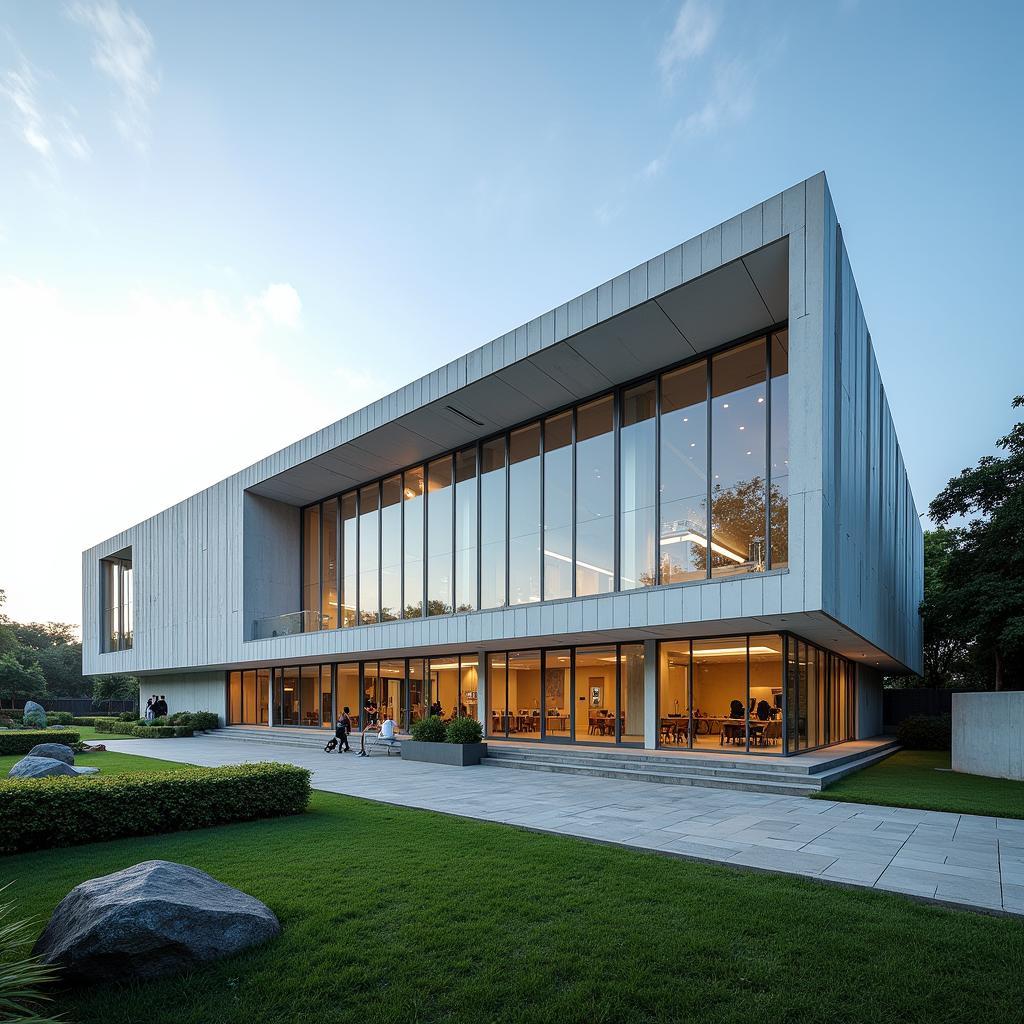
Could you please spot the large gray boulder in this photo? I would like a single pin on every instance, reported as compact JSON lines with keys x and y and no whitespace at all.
{"x":34,"y":715}
{"x":55,"y":750}
{"x":149,"y":920}
{"x":30,"y":767}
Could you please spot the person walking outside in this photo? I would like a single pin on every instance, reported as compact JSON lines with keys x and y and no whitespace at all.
{"x":149,"y":708}
{"x":341,"y":731}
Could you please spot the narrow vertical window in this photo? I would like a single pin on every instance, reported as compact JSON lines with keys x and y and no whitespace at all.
{"x":524,"y":515}
{"x":779,"y":484}
{"x":497,"y":694}
{"x":684,"y":475}
{"x":347,"y":604}
{"x":465,"y":530}
{"x":311,"y":568}
{"x":329,"y":566}
{"x":636,"y":490}
{"x":369,"y":554}
{"x":439,"y":537}
{"x":391,"y":548}
{"x":558,"y":506}
{"x":595,"y":498}
{"x":116,"y":602}
{"x":492,"y":524}
{"x":738,"y":426}
{"x":412,"y":496}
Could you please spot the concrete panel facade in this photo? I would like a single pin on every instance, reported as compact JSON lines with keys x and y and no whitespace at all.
{"x":988,"y":734}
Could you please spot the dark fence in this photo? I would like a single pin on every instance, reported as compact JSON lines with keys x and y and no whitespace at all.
{"x":900,"y":704}
{"x":80,"y":706}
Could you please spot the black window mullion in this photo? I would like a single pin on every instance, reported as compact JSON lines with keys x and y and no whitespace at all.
{"x":617,"y":483}
{"x":302,"y":570}
{"x":479,"y":555}
{"x":657,"y":481}
{"x":709,"y":487}
{"x":572,"y":509}
{"x":746,"y":708}
{"x":320,"y":572}
{"x":768,"y":455}
{"x":543,"y":701}
{"x":359,"y":604}
{"x":618,"y":693}
{"x":401,"y":550}
{"x":543,"y":515}
{"x":508,"y":502}
{"x":690,"y":730}
{"x":426,"y":533}
{"x":572,"y":689}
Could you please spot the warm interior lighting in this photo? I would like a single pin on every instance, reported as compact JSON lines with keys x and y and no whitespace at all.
{"x":696,"y":538}
{"x":732,"y":651}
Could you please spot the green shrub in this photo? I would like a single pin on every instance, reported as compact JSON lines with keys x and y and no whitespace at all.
{"x":429,"y":730}
{"x":21,"y":741}
{"x":149,"y":732}
{"x":37,"y":814}
{"x":926,"y":732}
{"x":464,"y":730}
{"x":128,"y":716}
{"x":60,"y":718}
{"x":204,"y":721}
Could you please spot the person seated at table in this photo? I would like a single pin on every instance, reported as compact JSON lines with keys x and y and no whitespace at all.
{"x":436,"y":709}
{"x":764,"y":710}
{"x":736,"y":709}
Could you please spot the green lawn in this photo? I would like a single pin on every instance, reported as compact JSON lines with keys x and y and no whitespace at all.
{"x":913,"y":778}
{"x":392,"y":914}
{"x":108,"y":762}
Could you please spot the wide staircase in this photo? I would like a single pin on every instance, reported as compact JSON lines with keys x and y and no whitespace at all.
{"x":783,"y":776}
{"x":257,"y":736}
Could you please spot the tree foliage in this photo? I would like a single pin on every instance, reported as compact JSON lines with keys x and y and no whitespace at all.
{"x":974,"y":596}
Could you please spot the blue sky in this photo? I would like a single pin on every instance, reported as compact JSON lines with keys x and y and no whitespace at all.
{"x":223,"y":226}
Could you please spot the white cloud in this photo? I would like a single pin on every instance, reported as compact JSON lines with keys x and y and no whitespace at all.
{"x":123,"y":50}
{"x":132,"y":404}
{"x":72,"y":141}
{"x":653,"y":168}
{"x":692,"y":34}
{"x":20,"y":88}
{"x":731,"y":100}
{"x":281,"y":303}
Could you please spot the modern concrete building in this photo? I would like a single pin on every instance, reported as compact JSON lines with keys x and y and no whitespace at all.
{"x":670,"y":512}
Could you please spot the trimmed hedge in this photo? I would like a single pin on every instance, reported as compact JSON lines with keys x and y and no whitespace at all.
{"x":100,"y":722}
{"x":203,"y":721}
{"x":429,"y":730}
{"x":36,"y":814}
{"x":60,"y":718}
{"x":149,"y":732}
{"x":926,"y":732}
{"x":21,"y":741}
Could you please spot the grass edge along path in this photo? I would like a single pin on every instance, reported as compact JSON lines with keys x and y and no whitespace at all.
{"x":921,"y":779}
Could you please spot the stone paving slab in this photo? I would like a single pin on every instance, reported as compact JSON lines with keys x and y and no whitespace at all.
{"x":967,"y":861}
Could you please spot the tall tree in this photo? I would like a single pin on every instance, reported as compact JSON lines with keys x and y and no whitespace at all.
{"x":981,"y":596}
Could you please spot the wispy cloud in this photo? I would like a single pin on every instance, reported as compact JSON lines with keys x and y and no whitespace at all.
{"x":692,"y":34}
{"x":730,"y":101}
{"x":281,"y":304}
{"x":19,"y":86}
{"x":124,"y":51}
{"x":653,"y":168}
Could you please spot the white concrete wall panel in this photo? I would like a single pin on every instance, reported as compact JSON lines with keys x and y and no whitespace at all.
{"x":988,"y":734}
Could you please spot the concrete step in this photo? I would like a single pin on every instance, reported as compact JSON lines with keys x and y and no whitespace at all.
{"x":781,"y":786}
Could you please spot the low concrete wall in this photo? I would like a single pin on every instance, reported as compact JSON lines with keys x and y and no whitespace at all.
{"x":988,"y":734}
{"x":187,"y":691}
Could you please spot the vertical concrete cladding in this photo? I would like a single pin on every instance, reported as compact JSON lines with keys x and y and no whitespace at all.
{"x":873,"y":543}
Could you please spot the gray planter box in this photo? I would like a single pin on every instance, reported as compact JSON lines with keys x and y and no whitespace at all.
{"x":459,"y":754}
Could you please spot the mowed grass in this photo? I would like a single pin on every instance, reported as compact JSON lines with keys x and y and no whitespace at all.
{"x":108,"y":762}
{"x":392,"y":914}
{"x":915,"y":778}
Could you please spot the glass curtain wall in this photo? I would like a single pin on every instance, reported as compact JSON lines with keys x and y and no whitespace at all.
{"x":682,"y":477}
{"x":524,"y":515}
{"x":683,"y":506}
{"x":349,"y":535}
{"x":636,"y":490}
{"x":558,"y":506}
{"x":117,"y":599}
{"x":819,"y":696}
{"x":738,"y":454}
{"x":391,"y":549}
{"x":465,"y":531}
{"x":412,"y":572}
{"x":440,"y":537}
{"x":329,"y":565}
{"x":595,"y":497}
{"x":493,"y":488}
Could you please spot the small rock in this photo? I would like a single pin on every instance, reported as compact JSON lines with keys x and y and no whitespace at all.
{"x":34,"y":715}
{"x":93,"y":748}
{"x":87,"y":769}
{"x":55,"y":750}
{"x":30,"y":767}
{"x":153,"y":919}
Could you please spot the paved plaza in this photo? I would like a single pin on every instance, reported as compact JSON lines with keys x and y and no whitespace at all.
{"x":962,"y":859}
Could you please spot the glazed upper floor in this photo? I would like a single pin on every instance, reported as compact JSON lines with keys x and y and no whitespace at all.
{"x":209,"y":568}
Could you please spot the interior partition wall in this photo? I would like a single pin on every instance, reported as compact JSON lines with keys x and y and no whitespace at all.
{"x":679,"y":476}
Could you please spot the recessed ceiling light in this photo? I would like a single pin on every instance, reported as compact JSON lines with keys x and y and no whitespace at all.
{"x":760,"y":400}
{"x":749,"y":453}
{"x":725,"y":405}
{"x":743,"y":428}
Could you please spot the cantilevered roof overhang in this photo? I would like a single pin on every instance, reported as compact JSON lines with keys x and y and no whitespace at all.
{"x":685,"y":302}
